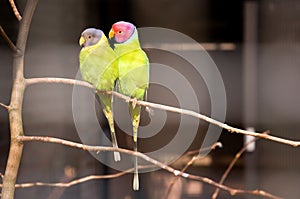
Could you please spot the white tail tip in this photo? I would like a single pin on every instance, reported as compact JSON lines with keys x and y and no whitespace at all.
{"x":136,"y":185}
{"x":117,"y":156}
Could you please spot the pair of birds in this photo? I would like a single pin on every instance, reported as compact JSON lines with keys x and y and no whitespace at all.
{"x":125,"y":64}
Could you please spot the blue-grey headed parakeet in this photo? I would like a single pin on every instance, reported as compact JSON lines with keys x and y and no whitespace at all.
{"x":133,"y":77}
{"x":99,"y":66}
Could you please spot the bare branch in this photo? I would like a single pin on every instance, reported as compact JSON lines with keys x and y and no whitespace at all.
{"x":210,"y":120}
{"x":175,"y":172}
{"x":15,"y":10}
{"x":8,"y":41}
{"x":232,"y":163}
{"x":71,"y":183}
{"x":5,"y":106}
{"x":1,"y":175}
{"x":189,"y":163}
{"x":16,"y":102}
{"x":233,"y":191}
{"x":168,"y":108}
{"x":214,"y":146}
{"x":78,"y":181}
{"x":51,"y":80}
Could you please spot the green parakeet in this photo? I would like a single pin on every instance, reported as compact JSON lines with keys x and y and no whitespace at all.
{"x":133,"y":77}
{"x":99,"y":66}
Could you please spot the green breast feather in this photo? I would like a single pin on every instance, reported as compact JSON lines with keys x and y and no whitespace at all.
{"x":134,"y":73}
{"x":98,"y":65}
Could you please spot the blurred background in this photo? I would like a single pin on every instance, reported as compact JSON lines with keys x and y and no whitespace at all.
{"x":255,"y":45}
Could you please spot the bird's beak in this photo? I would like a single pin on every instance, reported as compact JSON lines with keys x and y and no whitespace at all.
{"x":81,"y":41}
{"x":111,"y":34}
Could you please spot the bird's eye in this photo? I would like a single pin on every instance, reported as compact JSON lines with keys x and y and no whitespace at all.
{"x":120,"y":32}
{"x":90,"y":37}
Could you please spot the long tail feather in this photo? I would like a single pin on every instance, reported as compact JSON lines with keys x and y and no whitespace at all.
{"x":136,"y":172}
{"x":117,"y":156}
{"x":109,"y":117}
{"x":106,"y":101}
{"x":135,"y":114}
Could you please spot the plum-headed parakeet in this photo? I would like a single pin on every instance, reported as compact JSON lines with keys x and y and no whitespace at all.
{"x":99,"y":66}
{"x":133,"y":78}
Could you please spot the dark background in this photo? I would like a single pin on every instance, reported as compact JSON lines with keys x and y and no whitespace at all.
{"x":261,"y":76}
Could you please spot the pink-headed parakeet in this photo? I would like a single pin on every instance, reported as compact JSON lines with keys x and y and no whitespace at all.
{"x":133,"y":77}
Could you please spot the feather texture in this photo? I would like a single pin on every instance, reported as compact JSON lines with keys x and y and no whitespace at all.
{"x":133,"y":77}
{"x":99,"y":66}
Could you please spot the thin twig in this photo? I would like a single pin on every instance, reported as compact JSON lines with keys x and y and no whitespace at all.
{"x":78,"y":181}
{"x":55,"y":80}
{"x":197,"y":151}
{"x":189,"y":163}
{"x":11,"y":45}
{"x":232,"y":163}
{"x":5,"y":106}
{"x":71,"y":183}
{"x":175,"y":172}
{"x":168,"y":108}
{"x":1,"y":175}
{"x":15,"y":10}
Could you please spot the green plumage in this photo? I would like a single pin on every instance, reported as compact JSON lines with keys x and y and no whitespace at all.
{"x":133,"y":81}
{"x":99,"y":66}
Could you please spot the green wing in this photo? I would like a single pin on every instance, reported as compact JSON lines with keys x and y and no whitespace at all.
{"x":134,"y":74}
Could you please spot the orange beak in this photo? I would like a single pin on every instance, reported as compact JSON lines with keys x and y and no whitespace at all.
{"x":111,"y":33}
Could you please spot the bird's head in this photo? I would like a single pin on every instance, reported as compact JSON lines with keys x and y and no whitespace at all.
{"x":90,"y":36}
{"x":121,"y":31}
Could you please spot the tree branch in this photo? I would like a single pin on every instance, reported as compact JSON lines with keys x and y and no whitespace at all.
{"x":168,"y":108}
{"x":15,"y":10}
{"x":1,"y":175}
{"x":16,"y":102}
{"x":232,"y":163}
{"x":4,"y":106}
{"x":189,"y":163}
{"x":77,"y":181}
{"x":175,"y":172}
{"x":214,"y":146}
{"x":54,"y":80}
{"x":11,"y":45}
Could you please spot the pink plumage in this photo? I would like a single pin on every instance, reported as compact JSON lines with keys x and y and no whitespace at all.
{"x":122,"y":31}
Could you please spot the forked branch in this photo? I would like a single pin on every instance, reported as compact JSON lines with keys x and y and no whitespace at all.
{"x":5,"y":106}
{"x":232,"y":163}
{"x":195,"y":156}
{"x":16,"y":102}
{"x":175,"y":172}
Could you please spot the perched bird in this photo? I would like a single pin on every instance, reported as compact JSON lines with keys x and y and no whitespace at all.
{"x":133,"y":77}
{"x":99,"y":66}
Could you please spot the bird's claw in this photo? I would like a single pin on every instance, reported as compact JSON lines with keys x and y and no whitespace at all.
{"x":133,"y":102}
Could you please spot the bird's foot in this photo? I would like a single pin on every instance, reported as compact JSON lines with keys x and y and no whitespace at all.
{"x":133,"y":102}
